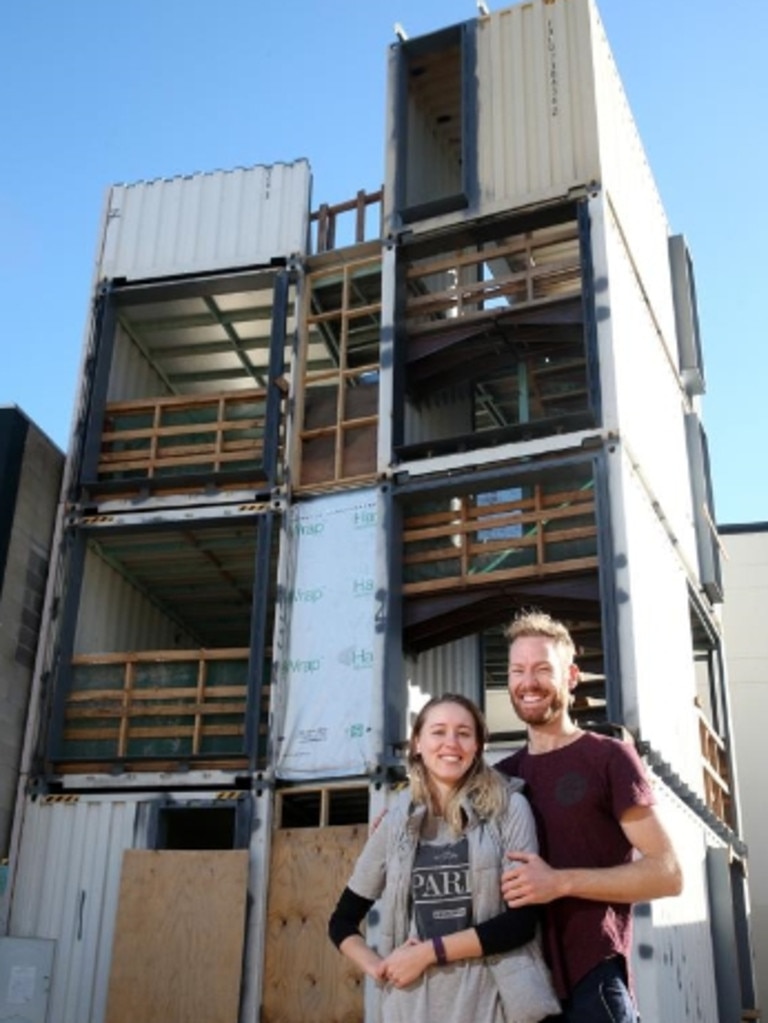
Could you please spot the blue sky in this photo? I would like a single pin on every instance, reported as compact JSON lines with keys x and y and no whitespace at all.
{"x":93,"y":93}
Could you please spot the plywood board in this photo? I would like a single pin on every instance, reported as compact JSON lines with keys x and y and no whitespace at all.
{"x":306,"y":980}
{"x":178,"y":947}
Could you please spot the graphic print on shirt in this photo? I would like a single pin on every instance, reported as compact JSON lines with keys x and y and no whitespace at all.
{"x":571,"y":789}
{"x":441,"y":890}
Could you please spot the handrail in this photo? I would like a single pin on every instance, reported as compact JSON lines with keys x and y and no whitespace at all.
{"x":714,"y":757}
{"x":140,"y":704}
{"x":326,"y":218}
{"x":155,"y":437}
{"x":446,"y":549}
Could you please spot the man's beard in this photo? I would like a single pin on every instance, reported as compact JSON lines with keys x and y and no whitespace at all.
{"x":539,"y":715}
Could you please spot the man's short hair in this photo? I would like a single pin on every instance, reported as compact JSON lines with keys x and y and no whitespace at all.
{"x":537,"y":623}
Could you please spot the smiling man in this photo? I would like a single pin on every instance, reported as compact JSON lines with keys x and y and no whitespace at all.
{"x":602,"y":844}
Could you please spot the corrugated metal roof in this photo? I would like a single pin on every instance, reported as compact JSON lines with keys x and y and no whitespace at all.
{"x":206,"y":222}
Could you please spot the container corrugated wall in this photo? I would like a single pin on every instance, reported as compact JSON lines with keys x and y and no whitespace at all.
{"x":67,"y":888}
{"x":115,"y":616}
{"x":628,"y":180}
{"x":206,"y":222}
{"x":131,"y":375}
{"x":635,"y":364}
{"x":451,"y":668}
{"x":537,"y":131}
{"x":672,"y":949}
{"x":658,"y":694}
{"x":441,"y":415}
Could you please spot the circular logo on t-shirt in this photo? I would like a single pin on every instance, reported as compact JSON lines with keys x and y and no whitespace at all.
{"x":570,"y":789}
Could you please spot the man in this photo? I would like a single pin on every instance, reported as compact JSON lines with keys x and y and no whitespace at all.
{"x":602,"y":844}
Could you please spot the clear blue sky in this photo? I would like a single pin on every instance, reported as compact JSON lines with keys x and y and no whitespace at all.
{"x":94,"y":92}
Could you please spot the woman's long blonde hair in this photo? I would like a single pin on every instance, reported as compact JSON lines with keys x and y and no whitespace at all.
{"x":481,"y":786}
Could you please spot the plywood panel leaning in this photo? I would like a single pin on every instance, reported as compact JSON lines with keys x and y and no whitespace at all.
{"x":178,"y":946}
{"x":305,"y":978}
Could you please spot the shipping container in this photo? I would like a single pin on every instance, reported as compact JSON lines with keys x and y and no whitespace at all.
{"x":317,"y":465}
{"x":252,"y":216}
{"x":520,"y":109}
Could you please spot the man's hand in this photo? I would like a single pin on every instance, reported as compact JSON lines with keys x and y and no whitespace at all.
{"x":530,"y":881}
{"x":653,"y":873}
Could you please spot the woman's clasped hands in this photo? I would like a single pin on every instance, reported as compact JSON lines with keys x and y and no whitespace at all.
{"x":405,"y":964}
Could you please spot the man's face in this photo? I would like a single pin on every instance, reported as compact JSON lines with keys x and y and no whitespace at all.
{"x":540,"y":680}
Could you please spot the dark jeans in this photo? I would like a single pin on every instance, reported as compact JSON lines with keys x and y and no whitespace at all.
{"x":600,"y":997}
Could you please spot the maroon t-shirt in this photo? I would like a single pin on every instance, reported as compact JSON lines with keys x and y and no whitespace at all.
{"x":578,"y":794}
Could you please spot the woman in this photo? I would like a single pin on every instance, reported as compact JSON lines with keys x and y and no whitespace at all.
{"x":449,"y":950}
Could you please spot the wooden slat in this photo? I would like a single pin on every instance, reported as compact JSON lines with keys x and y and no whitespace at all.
{"x":344,"y":453}
{"x":181,"y":430}
{"x":233,"y":763}
{"x":188,"y":711}
{"x":326,"y":216}
{"x":521,"y":245}
{"x":179,"y":710}
{"x":455,"y":527}
{"x":483,"y":579}
{"x":522,"y":281}
{"x":223,"y":448}
{"x":191,"y":454}
{"x":201,"y":674}
{"x":460,"y":556}
{"x":534,"y":539}
{"x":164,"y":656}
{"x":149,"y":732}
{"x":139,"y":405}
{"x":130,"y":678}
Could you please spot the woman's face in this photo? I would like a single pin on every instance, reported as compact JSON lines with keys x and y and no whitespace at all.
{"x":448,"y":743}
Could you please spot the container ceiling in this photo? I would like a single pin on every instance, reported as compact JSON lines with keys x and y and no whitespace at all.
{"x":200,"y":577}
{"x":210,"y":334}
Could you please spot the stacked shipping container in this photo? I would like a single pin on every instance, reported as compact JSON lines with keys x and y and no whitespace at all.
{"x":307,"y":487}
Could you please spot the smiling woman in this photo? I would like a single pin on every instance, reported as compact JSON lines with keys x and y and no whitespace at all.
{"x":447,"y":746}
{"x":448,"y":948}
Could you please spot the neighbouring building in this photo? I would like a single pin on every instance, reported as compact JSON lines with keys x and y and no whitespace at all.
{"x":313,"y":473}
{"x":30,"y":480}
{"x":745,"y":578}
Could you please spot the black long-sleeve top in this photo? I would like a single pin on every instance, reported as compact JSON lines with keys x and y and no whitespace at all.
{"x":502,"y":933}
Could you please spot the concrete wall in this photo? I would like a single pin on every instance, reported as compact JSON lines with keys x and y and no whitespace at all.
{"x":745,"y":576}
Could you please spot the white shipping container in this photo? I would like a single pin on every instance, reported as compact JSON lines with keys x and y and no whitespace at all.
{"x":451,"y":668}
{"x":646,"y":402}
{"x":537,"y":126}
{"x":654,"y":625}
{"x":673,"y":962}
{"x":66,"y":888}
{"x":205,"y":222}
{"x":547,"y":118}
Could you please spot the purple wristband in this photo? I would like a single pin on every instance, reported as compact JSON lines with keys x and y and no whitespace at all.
{"x":439,"y":947}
